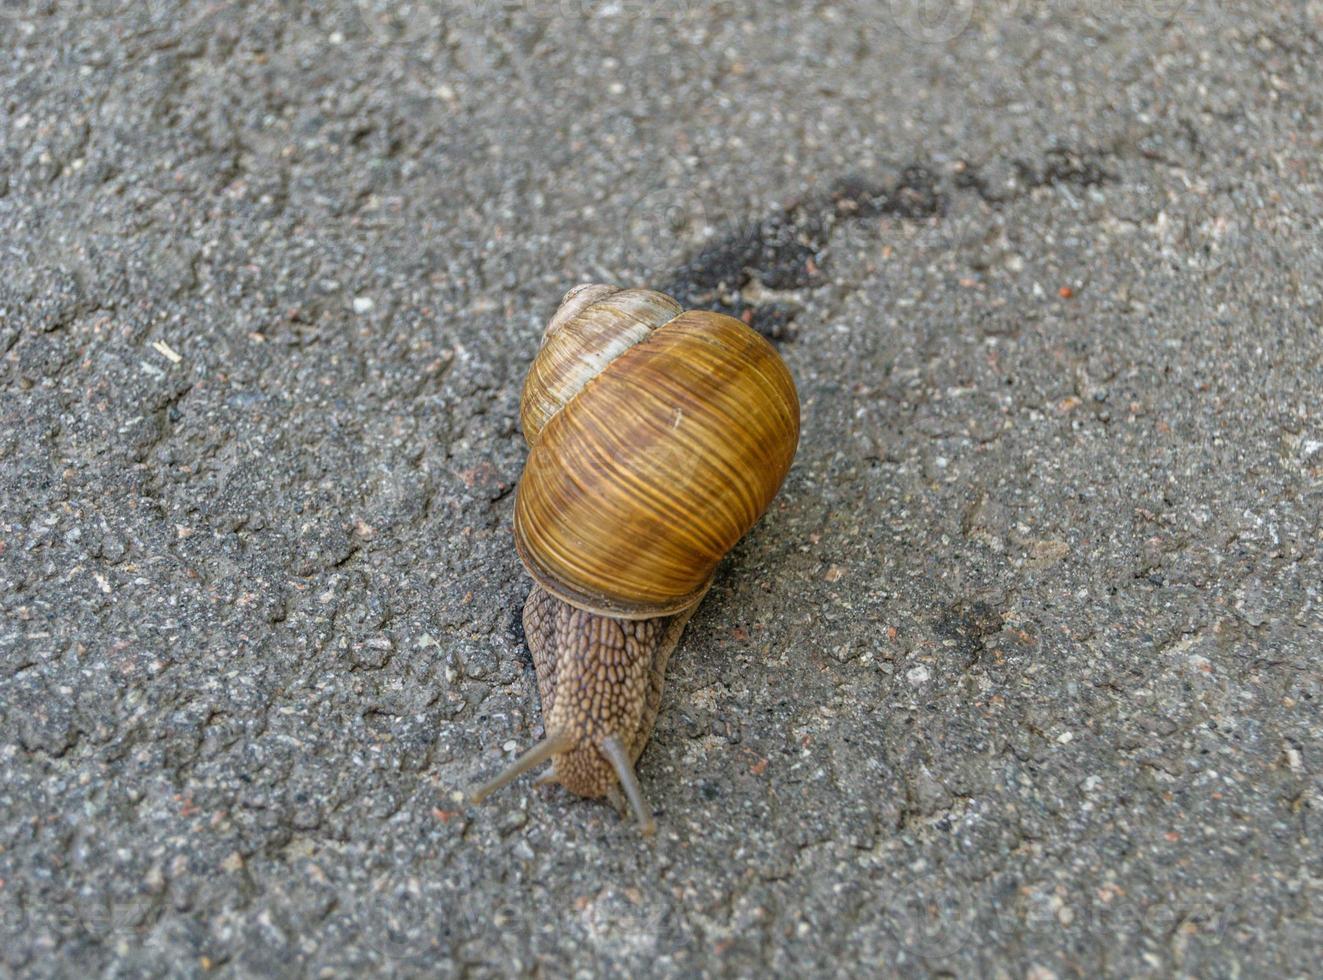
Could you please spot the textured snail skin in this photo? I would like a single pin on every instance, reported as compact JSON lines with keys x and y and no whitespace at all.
{"x":597,"y":676}
{"x":658,"y":436}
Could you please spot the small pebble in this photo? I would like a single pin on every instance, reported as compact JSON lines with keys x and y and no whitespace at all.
{"x":513,"y":821}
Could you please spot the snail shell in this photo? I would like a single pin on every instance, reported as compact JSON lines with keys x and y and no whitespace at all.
{"x":658,"y":436}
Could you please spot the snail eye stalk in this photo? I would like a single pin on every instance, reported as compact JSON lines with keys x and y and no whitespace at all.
{"x":624,"y":767}
{"x":534,"y":757}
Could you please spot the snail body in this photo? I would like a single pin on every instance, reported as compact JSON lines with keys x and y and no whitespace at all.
{"x":657,"y":438}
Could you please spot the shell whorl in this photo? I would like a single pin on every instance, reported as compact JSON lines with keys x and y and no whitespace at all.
{"x":604,"y":322}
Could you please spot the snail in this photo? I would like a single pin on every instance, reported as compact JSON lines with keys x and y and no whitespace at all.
{"x":657,"y":438}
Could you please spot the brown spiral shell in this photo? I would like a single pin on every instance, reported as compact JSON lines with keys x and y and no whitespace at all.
{"x":658,"y":436}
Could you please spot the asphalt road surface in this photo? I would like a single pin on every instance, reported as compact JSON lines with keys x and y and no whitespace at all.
{"x":1019,"y":676}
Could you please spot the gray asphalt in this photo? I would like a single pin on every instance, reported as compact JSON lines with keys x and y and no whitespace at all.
{"x":1019,"y":677}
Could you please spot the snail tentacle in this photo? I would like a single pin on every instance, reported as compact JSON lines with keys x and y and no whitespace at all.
{"x":534,"y":757}
{"x":624,"y":767}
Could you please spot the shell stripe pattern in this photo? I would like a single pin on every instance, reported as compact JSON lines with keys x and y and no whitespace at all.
{"x":612,"y":321}
{"x":657,"y":466}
